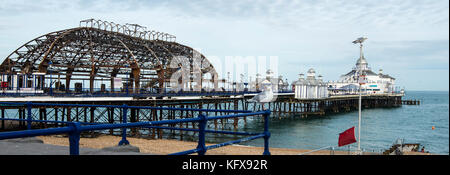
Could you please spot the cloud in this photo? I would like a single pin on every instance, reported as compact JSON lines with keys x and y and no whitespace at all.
{"x":412,"y":55}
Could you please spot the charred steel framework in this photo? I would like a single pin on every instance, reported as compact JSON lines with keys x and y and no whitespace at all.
{"x":98,"y":50}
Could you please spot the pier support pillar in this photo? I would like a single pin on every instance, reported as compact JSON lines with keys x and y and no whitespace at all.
{"x":56,"y":115}
{"x":3,"y":121}
{"x":29,"y":107}
{"x":136,"y":72}
{"x":69,"y":112}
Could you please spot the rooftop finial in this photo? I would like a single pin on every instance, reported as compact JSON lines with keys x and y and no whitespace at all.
{"x":360,"y":40}
{"x":361,"y":63}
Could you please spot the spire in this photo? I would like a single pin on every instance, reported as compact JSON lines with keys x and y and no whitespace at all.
{"x":311,"y":73}
{"x":301,"y":79}
{"x":362,"y":62}
{"x":301,"y":76}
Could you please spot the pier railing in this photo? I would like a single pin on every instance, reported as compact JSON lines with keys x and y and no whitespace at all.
{"x":141,"y":92}
{"x":127,"y":92}
{"x":74,"y":129}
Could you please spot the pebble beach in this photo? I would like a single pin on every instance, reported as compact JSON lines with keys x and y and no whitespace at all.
{"x":165,"y":146}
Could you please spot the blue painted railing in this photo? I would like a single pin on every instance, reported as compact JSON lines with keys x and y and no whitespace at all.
{"x":75,"y":128}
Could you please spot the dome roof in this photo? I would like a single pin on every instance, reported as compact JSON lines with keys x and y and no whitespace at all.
{"x":312,"y":82}
{"x":300,"y":81}
{"x":320,"y":80}
{"x":361,"y":60}
{"x":311,"y":74}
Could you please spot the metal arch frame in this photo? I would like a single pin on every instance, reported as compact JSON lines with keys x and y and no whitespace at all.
{"x":8,"y":58}
{"x":67,"y":49}
{"x":53,"y":43}
{"x":209,"y":69}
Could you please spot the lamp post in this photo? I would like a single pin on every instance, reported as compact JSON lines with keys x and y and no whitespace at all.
{"x":228,"y":80}
{"x":51,"y":85}
{"x":250,"y":82}
{"x":240,"y":86}
{"x":257,"y":81}
{"x":360,"y":81}
{"x":234,"y":86}
{"x":128,"y":79}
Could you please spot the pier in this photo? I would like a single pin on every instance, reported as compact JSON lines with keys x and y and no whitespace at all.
{"x":284,"y":106}
{"x":85,"y":74}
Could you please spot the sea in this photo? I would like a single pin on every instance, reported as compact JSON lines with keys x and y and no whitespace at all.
{"x":380,"y":127}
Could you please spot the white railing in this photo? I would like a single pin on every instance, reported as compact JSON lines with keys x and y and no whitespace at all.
{"x":349,"y":151}
{"x":324,"y":148}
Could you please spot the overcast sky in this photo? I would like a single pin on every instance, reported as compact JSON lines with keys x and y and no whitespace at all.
{"x":409,"y":40}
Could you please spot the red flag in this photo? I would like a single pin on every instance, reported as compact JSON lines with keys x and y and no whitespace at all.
{"x":347,"y":137}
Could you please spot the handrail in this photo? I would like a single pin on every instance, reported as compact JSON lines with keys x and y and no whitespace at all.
{"x":74,"y":129}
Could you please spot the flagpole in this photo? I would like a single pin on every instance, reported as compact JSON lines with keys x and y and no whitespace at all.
{"x":359,"y":119}
{"x":360,"y":82}
{"x":359,"y":102}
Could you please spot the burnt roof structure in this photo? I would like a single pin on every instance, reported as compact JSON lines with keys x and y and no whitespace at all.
{"x":100,"y":49}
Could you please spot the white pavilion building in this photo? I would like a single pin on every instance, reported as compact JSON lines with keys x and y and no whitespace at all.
{"x":278,"y":84}
{"x":376,"y":83}
{"x":310,"y":88}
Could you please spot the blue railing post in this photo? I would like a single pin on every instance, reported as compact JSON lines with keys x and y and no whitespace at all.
{"x":29,"y":106}
{"x":74,"y":139}
{"x":266,"y":133}
{"x":201,"y":135}
{"x":124,"y":140}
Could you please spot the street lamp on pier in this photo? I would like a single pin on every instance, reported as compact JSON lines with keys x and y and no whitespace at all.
{"x":50,"y":72}
{"x":228,"y":81}
{"x":360,"y":82}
